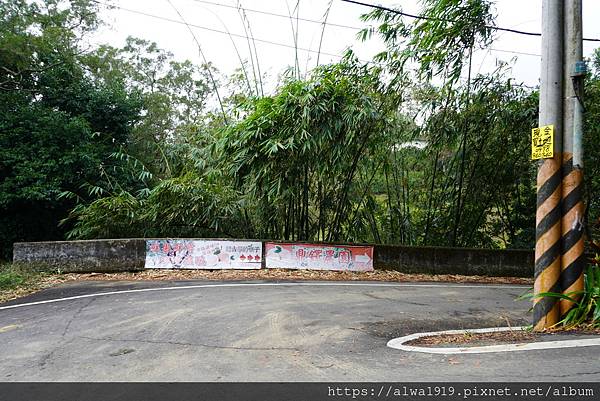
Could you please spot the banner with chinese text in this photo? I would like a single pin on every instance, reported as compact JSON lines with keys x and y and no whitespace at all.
{"x":202,"y":254}
{"x":319,"y":257}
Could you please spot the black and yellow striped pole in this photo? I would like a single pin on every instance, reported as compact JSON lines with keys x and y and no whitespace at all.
{"x":547,"y":146}
{"x":548,"y":243}
{"x":573,"y":259}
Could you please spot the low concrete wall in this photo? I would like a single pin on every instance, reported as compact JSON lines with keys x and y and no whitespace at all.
{"x":465,"y":261}
{"x":118,"y":255}
{"x":110,"y":255}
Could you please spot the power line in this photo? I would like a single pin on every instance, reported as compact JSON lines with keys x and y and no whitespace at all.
{"x":258,"y":40}
{"x":278,"y":15}
{"x":515,"y":52}
{"x":423,"y":17}
{"x":262,"y":40}
{"x":213,"y":30}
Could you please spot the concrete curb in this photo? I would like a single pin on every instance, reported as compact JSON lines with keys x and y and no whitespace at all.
{"x":399,"y":343}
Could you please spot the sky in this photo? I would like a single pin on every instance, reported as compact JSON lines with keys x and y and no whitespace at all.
{"x":273,"y":33}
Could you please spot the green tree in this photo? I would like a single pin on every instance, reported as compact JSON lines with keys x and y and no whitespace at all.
{"x":298,"y":165}
{"x":498,"y":207}
{"x":305,"y":157}
{"x":437,"y":45}
{"x":174,"y":192}
{"x":176,"y":99}
{"x":456,"y":180}
{"x":591,"y":138}
{"x":58,"y":126}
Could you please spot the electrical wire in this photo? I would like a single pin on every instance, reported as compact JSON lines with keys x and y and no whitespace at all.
{"x":258,"y":40}
{"x":277,"y":15}
{"x":515,"y":52}
{"x":423,"y":17}
{"x":212,"y":29}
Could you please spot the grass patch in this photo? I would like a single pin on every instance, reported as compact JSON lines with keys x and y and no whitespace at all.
{"x":17,"y":281}
{"x":12,"y":277}
{"x":10,"y":280}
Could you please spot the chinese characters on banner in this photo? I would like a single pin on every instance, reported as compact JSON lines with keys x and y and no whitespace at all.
{"x":319,"y":257}
{"x":542,"y":142}
{"x":202,"y":254}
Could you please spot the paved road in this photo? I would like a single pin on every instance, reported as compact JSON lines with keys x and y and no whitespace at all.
{"x":267,"y":332}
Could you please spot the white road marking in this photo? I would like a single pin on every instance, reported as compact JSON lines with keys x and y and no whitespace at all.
{"x":399,"y":343}
{"x":396,"y":343}
{"x":189,"y":287}
{"x":9,"y":328}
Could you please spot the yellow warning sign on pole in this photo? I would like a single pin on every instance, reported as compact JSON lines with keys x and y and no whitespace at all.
{"x":542,"y":142}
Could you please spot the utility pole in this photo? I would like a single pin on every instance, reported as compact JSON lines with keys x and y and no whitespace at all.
{"x":573,"y":259}
{"x":559,"y":248}
{"x":549,"y":179}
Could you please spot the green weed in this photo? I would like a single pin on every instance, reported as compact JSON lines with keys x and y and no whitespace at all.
{"x":586,"y":309}
{"x":10,"y":279}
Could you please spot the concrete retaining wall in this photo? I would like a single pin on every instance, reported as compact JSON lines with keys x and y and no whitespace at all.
{"x":110,"y":255}
{"x":465,"y":261}
{"x":117,"y":255}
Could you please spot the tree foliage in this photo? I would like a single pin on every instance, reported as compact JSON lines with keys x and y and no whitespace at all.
{"x":122,"y":142}
{"x":57,"y":125}
{"x":438,"y":43}
{"x":498,"y":206}
{"x":591,"y":138}
{"x":299,"y":155}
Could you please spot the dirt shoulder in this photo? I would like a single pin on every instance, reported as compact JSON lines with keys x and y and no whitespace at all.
{"x":44,"y":280}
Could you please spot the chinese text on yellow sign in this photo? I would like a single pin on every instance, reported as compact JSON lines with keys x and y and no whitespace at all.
{"x":542,"y":142}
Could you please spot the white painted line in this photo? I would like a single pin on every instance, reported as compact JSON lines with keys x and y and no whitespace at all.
{"x":189,"y":287}
{"x":399,"y":343}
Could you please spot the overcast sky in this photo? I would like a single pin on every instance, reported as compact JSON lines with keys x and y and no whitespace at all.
{"x":219,"y":49}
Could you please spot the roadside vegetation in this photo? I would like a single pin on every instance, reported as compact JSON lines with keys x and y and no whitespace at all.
{"x":585,"y":313}
{"x":395,"y":151}
{"x":587,"y":304}
{"x":414,"y":147}
{"x":9,"y":278}
{"x":16,"y":281}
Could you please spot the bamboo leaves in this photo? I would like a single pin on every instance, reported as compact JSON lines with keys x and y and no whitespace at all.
{"x":312,"y":134}
{"x":437,"y":43}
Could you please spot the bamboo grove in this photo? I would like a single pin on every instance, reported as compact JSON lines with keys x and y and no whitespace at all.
{"x":402,"y":149}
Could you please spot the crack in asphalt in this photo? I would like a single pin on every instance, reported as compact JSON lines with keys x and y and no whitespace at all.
{"x":191,"y":344}
{"x":75,"y":315}
{"x":45,"y":358}
{"x":61,"y":343}
{"x":404,"y":301}
{"x":343,"y":344}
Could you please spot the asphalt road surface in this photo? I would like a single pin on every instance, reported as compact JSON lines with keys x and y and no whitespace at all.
{"x":210,"y":331}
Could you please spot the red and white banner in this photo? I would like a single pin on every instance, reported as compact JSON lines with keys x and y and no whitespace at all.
{"x":319,"y":257}
{"x":203,"y":254}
